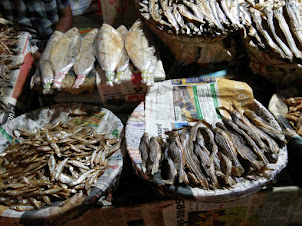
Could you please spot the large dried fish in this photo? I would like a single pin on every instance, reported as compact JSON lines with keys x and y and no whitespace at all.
{"x":267,"y":8}
{"x":144,"y":151}
{"x":122,"y":69}
{"x":155,"y":153}
{"x":191,"y":159}
{"x":108,"y":46}
{"x":141,"y":50}
{"x":85,"y":59}
{"x":278,"y":13}
{"x":63,"y":55}
{"x":46,"y":71}
{"x":176,"y":151}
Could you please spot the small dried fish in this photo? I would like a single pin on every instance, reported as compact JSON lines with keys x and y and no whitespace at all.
{"x":40,"y":176}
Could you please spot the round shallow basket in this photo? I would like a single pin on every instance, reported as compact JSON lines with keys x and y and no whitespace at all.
{"x":272,"y":67}
{"x":198,"y":49}
{"x":135,"y":128}
{"x":104,"y":121}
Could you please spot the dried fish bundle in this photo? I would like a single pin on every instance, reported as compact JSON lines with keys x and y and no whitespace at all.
{"x":294,"y":114}
{"x":215,"y":156}
{"x":52,"y":164}
{"x":108,"y":47}
{"x":193,"y":18}
{"x":272,"y":37}
{"x":84,"y":62}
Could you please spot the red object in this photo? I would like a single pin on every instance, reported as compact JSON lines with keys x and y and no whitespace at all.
{"x":99,"y":12}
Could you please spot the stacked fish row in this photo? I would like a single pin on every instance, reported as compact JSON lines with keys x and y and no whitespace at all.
{"x":294,"y":114}
{"x":271,"y":32}
{"x":193,"y":17}
{"x":214,"y":156}
{"x":275,"y":26}
{"x":52,"y":164}
{"x":265,"y":22}
{"x":113,"y":49}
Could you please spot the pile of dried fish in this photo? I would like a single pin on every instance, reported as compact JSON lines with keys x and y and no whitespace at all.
{"x":9,"y":40}
{"x":214,"y":156}
{"x":275,"y":26}
{"x":294,"y":115}
{"x":196,"y":17}
{"x":4,"y":83}
{"x":264,"y":22}
{"x":52,"y":164}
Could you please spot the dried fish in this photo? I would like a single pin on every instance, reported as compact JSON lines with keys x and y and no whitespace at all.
{"x":84,"y":62}
{"x":46,"y":70}
{"x":108,"y":46}
{"x":155,"y":154}
{"x":63,"y":55}
{"x":176,"y":151}
{"x":191,"y":159}
{"x":278,"y":13}
{"x":41,"y":176}
{"x":256,"y":15}
{"x":141,"y":50}
{"x":122,"y":69}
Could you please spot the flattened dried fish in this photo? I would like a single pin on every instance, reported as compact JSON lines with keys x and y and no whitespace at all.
{"x":46,"y":71}
{"x":63,"y":55}
{"x":108,"y":46}
{"x":278,"y":13}
{"x":256,"y":15}
{"x":177,"y":154}
{"x":122,"y":69}
{"x":140,"y":50}
{"x":269,"y":13}
{"x":155,"y":154}
{"x":191,"y":159}
{"x":226,"y":143}
{"x":85,"y":59}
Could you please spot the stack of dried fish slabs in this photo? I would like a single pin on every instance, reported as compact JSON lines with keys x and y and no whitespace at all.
{"x":272,"y":37}
{"x":63,"y":161}
{"x":230,"y":158}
